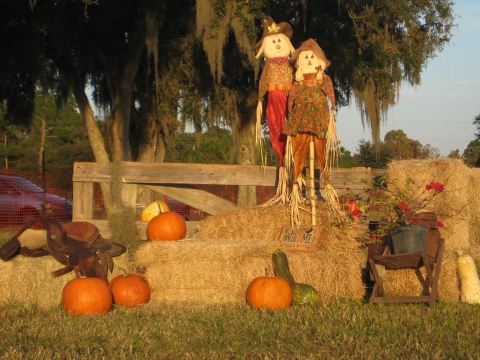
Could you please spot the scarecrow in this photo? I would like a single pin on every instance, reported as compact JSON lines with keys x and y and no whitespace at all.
{"x":311,"y":125}
{"x":275,"y":81}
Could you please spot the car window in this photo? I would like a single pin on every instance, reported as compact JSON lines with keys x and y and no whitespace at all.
{"x":27,"y":186}
{"x":6,"y":188}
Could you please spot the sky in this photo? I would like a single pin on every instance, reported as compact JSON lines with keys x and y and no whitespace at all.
{"x":439,"y":111}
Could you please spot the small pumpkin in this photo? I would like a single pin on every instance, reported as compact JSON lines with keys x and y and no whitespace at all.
{"x":153,"y":209}
{"x":167,"y":226}
{"x":86,"y":296}
{"x":130,"y":290}
{"x":269,"y":293}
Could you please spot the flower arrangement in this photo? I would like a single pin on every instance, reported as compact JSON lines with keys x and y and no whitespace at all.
{"x":389,"y":204}
{"x":408,"y":204}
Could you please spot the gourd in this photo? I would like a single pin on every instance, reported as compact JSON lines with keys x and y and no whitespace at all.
{"x":153,"y":209}
{"x":86,"y":296}
{"x":167,"y":226}
{"x":130,"y":290}
{"x":269,"y":293}
{"x":303,"y":294}
{"x":469,"y":280}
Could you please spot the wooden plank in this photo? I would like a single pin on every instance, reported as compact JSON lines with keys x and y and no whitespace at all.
{"x":104,"y":229}
{"x":198,"y":199}
{"x":179,"y":173}
{"x":188,"y":173}
{"x":82,"y":200}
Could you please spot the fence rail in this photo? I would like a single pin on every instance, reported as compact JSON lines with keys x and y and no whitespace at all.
{"x":178,"y":180}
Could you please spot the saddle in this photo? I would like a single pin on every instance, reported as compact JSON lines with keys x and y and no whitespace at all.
{"x":78,"y":245}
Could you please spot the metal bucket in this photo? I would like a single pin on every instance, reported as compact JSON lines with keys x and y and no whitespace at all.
{"x":408,"y":239}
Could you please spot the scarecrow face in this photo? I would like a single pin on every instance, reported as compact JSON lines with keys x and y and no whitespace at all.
{"x":310,"y":63}
{"x":276,"y":46}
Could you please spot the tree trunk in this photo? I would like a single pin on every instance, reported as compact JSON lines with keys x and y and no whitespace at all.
{"x":97,"y":141}
{"x":122,"y":85}
{"x":41,"y":149}
{"x":244,"y":143}
{"x":155,"y":145}
{"x":120,"y":119}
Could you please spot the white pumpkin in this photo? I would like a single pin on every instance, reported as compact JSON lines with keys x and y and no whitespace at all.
{"x":469,"y":281}
{"x":153,"y":209}
{"x":33,"y":239}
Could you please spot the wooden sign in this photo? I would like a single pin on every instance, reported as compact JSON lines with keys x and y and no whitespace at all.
{"x":305,"y":237}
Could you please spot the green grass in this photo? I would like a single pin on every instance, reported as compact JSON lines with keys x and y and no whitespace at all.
{"x":343,"y":330}
{"x":5,"y":236}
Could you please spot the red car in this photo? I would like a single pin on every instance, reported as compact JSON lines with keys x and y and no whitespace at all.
{"x":20,"y":198}
{"x":188,"y":212}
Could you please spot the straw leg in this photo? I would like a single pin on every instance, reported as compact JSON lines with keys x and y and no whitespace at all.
{"x":313,"y":198}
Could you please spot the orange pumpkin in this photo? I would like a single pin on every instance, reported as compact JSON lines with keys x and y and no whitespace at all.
{"x":130,"y":290}
{"x":167,"y":226}
{"x":86,"y":296}
{"x":269,"y":293}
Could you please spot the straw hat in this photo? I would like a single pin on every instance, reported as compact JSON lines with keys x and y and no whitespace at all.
{"x":270,"y":27}
{"x":312,"y":45}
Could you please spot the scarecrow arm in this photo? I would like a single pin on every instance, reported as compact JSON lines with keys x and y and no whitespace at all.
{"x":327,"y":87}
{"x":263,"y":82}
{"x":291,"y":97}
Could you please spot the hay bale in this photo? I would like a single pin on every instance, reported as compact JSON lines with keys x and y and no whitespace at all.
{"x":219,"y":270}
{"x":405,"y":282}
{"x":473,"y":209}
{"x":28,"y":280}
{"x":266,"y":222}
{"x":230,"y":250}
{"x":454,"y":205}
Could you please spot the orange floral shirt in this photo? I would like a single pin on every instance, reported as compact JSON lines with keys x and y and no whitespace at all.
{"x":277,"y":74}
{"x":308,"y":108}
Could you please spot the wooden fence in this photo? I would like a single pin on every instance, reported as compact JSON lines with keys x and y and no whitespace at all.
{"x":177,"y":180}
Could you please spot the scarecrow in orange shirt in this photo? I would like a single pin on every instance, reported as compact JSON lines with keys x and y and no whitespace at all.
{"x":275,"y":81}
{"x":311,"y":123}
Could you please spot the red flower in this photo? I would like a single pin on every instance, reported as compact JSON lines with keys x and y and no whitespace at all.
{"x":403,"y":207}
{"x":440,"y":224}
{"x":356,"y":213}
{"x":438,"y":187}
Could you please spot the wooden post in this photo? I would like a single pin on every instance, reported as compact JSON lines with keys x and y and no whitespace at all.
{"x":82,"y":200}
{"x":313,"y":198}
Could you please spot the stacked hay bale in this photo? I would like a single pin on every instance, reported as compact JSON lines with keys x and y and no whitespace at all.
{"x":230,"y":250}
{"x":474,"y":211}
{"x":29,"y":280}
{"x":456,"y":208}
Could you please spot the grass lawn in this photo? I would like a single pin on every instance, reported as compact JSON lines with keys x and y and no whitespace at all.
{"x":344,"y":330}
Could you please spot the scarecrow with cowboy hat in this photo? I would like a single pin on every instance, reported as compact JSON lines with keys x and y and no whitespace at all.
{"x":311,"y":124}
{"x":275,"y":82}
